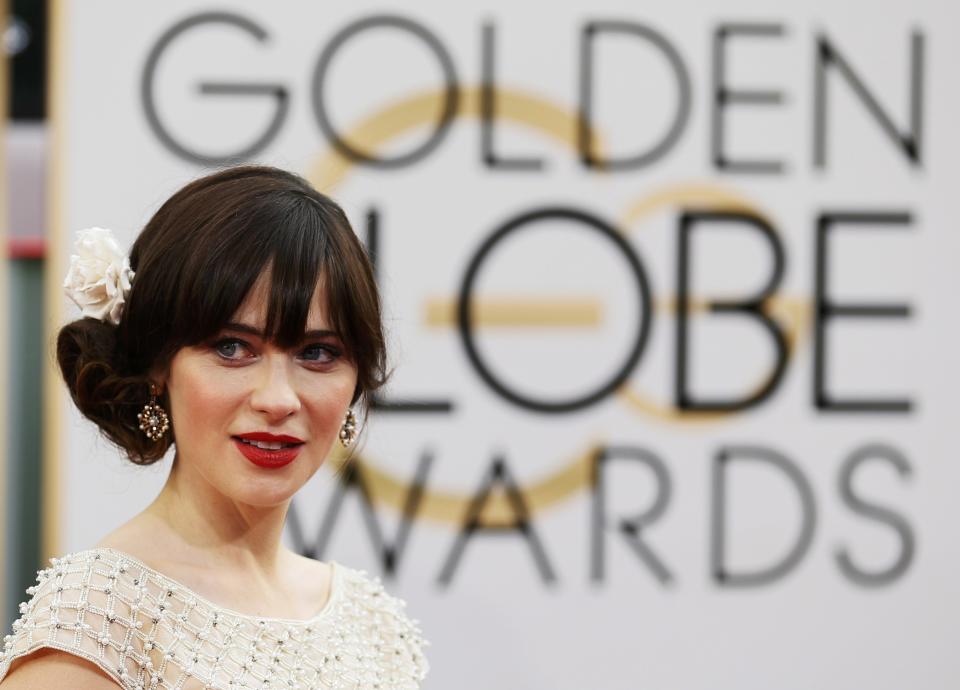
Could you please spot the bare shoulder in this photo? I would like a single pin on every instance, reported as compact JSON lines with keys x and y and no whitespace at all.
{"x":310,"y":565}
{"x":131,"y":536}
{"x":52,"y":668}
{"x":315,"y":577}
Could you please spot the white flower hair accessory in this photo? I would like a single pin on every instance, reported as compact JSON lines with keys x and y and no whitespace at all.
{"x":99,"y":277}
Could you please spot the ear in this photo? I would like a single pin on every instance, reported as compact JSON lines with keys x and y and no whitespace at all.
{"x":159,"y":379}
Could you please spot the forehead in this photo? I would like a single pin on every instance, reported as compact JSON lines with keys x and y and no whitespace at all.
{"x":253,"y":309}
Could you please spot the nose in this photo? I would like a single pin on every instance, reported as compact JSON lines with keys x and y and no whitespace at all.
{"x":274,"y":394}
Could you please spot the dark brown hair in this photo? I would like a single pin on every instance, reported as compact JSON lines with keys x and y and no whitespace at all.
{"x":194,"y":263}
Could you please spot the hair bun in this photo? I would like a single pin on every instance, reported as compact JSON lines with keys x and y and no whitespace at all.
{"x":87,"y":355}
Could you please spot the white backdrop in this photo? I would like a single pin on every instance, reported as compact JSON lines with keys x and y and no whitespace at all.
{"x":577,"y":598}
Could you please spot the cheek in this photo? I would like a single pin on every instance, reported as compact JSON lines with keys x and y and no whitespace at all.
{"x":203,"y":405}
{"x":326,"y":405}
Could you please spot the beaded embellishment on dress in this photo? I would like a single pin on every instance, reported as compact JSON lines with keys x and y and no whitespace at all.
{"x":149,"y":632}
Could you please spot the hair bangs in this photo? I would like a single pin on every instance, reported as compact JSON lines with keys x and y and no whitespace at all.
{"x":298,"y":256}
{"x":271,"y":234}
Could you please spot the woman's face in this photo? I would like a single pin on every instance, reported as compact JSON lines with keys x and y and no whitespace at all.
{"x":239,"y":384}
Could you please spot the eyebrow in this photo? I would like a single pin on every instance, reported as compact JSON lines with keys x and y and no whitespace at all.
{"x":244,"y":328}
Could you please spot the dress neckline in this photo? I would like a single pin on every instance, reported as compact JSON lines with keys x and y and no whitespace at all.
{"x":336,"y":586}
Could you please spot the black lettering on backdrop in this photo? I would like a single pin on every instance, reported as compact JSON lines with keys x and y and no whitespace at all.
{"x":353,"y":479}
{"x":465,"y":310}
{"x":630,"y":528}
{"x":824,"y":308}
{"x":751,"y":307}
{"x":718,"y":524}
{"x":377,"y":401}
{"x":585,"y":144}
{"x":275,"y":91}
{"x":858,"y":505}
{"x":450,"y":101}
{"x":911,"y":142}
{"x":724,"y":96}
{"x":499,"y":474}
{"x":488,"y":111}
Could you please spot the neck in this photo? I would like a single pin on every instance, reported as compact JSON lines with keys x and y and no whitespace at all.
{"x":204,"y":528}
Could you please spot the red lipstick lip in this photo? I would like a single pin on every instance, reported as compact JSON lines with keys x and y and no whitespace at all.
{"x":264,"y":436}
{"x":264,"y":457}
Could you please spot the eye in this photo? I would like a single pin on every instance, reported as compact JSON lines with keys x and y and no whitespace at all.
{"x":320,"y":353}
{"x":230,"y":348}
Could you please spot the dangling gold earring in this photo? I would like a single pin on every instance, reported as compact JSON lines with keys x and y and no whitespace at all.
{"x":154,"y":421}
{"x":348,"y":430}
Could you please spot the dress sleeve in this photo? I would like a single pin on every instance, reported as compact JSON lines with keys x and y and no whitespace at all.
{"x":399,"y":638}
{"x":72,"y":608}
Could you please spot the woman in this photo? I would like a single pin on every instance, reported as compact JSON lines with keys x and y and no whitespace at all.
{"x":243,"y":330}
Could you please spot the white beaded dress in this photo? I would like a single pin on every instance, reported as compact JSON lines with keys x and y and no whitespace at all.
{"x":149,"y":632}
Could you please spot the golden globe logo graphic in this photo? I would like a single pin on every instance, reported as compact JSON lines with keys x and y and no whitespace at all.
{"x":786,"y":323}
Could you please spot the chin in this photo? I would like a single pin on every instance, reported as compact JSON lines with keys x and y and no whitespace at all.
{"x":264,"y":491}
{"x":266,"y":499}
